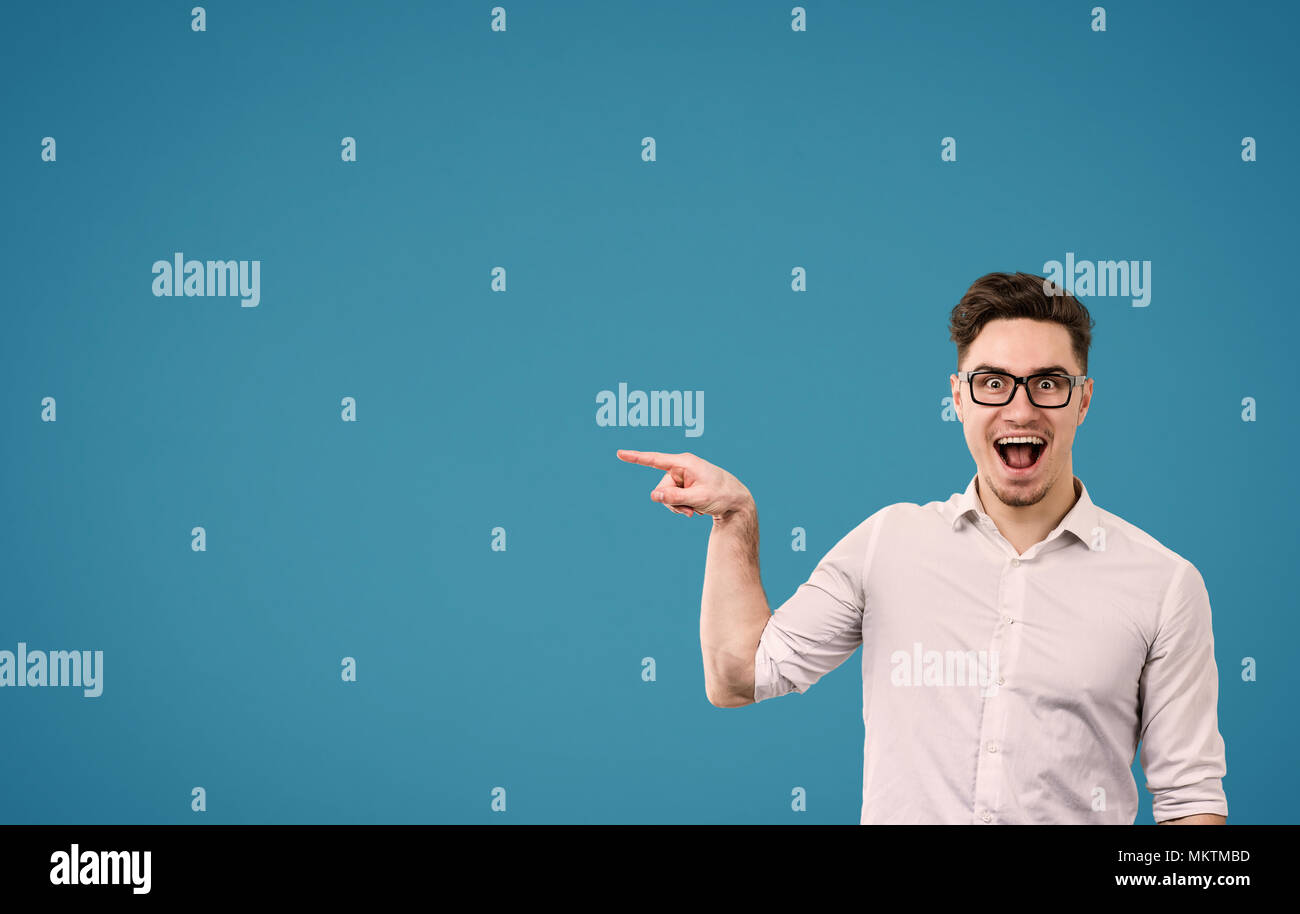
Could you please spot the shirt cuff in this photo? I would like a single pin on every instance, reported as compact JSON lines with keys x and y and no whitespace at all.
{"x":768,"y":681}
{"x":1202,"y":798}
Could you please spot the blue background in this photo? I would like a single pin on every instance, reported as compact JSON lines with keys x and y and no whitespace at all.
{"x":476,"y":409}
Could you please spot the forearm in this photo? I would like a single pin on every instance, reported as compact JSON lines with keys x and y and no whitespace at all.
{"x":734,"y":608}
{"x":1204,"y":818}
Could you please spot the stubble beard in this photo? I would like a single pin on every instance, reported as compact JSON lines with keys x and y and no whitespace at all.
{"x":1017,"y":498}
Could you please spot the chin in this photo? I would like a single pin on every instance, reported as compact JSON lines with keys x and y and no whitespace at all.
{"x":1018,"y":494}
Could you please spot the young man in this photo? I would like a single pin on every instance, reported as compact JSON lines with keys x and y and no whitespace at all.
{"x":1018,"y":640}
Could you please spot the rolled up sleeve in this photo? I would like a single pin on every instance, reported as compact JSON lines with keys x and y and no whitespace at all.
{"x":1183,"y":754}
{"x":820,"y":625}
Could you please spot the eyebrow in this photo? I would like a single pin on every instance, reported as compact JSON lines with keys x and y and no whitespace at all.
{"x":1045,"y":369}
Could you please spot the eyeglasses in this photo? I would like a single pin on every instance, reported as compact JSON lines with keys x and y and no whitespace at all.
{"x":1048,"y":391}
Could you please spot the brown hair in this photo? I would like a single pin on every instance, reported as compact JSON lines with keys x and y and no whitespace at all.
{"x":1010,"y":295}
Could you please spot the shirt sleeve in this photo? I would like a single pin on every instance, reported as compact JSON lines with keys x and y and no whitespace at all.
{"x":820,"y":625}
{"x":1182,"y":750}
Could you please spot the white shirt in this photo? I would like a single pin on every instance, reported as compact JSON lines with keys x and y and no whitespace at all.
{"x":1011,"y":689}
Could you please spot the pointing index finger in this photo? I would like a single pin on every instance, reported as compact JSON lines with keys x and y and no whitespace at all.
{"x":652,"y":459}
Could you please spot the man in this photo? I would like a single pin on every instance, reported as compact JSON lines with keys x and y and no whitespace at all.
{"x":1018,"y":640}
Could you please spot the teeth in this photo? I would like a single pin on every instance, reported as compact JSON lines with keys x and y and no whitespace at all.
{"x":1029,"y":439}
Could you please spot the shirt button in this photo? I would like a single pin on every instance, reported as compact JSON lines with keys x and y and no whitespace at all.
{"x":1015,"y":562}
{"x":987,"y":817}
{"x":1008,"y":619}
{"x":993,"y":747}
{"x":1001,"y":681}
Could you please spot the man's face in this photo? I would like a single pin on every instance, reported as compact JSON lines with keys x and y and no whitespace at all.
{"x":1020,"y":346}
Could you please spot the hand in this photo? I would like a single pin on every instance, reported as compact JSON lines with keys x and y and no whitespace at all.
{"x":691,"y":484}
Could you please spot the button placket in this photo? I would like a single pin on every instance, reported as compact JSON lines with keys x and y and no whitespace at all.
{"x":989,"y":769}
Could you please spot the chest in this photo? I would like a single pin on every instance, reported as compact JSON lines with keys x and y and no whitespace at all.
{"x":1057,"y":630}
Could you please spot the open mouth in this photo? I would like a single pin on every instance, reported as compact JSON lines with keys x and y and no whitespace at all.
{"x":1021,"y":455}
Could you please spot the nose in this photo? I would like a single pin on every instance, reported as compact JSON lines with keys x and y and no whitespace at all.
{"x":1020,"y":403}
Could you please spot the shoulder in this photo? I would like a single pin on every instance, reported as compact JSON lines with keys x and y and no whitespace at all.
{"x":903,"y":517}
{"x":1138,"y":549}
{"x":1141,"y":545}
{"x":921,"y":516}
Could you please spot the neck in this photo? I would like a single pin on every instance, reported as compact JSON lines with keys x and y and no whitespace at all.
{"x":1024,"y":526}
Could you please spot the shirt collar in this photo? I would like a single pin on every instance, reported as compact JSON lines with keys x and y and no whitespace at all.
{"x":1081,"y":520}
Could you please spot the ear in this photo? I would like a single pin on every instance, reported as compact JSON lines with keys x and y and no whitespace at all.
{"x":1085,"y":402}
{"x":956,"y":395}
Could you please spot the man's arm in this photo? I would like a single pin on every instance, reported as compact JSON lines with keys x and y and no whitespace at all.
{"x":734,"y":609}
{"x":815,"y":630}
{"x":1204,"y":818}
{"x":1182,"y":750}
{"x":820,"y":625}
